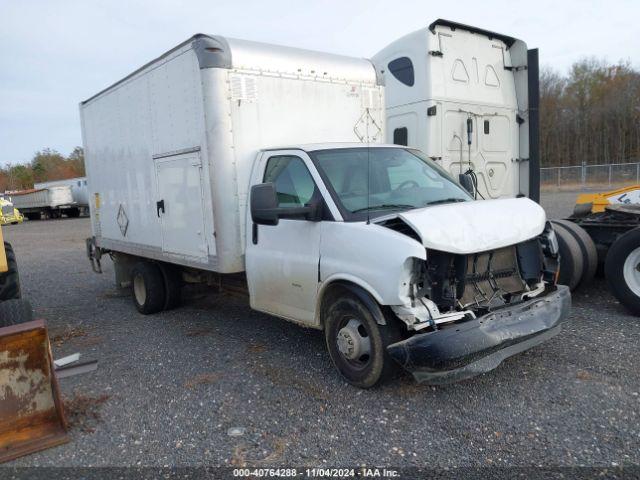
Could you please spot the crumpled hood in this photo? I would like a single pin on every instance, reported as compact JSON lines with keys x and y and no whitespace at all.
{"x":476,"y":226}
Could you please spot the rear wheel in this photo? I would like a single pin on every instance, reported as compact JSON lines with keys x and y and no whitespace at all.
{"x":357,"y":344}
{"x":147,"y":284}
{"x":172,"y":285}
{"x":622,"y":270}
{"x":587,"y":248}
{"x":571,"y":261}
{"x":73,"y":212}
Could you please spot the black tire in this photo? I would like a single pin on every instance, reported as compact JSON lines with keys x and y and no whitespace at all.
{"x":33,"y":215}
{"x":147,"y":288}
{"x":73,"y":212}
{"x":571,"y":262}
{"x":172,"y":285}
{"x":587,"y":247}
{"x":378,"y":366}
{"x":10,"y":280}
{"x":614,"y":270}
{"x":15,"y":311}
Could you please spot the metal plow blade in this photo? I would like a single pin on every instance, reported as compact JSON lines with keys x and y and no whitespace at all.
{"x":31,"y":412}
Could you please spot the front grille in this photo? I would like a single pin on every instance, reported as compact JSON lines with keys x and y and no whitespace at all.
{"x":7,"y":210}
{"x":491,"y":275}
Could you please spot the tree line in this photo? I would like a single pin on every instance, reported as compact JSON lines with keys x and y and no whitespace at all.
{"x":590,"y":115}
{"x":46,"y":165}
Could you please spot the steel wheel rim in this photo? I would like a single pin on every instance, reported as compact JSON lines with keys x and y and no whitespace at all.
{"x":631,"y":271}
{"x":138,"y":289}
{"x":354,"y":343}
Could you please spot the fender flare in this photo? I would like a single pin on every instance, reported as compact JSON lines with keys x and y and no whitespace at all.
{"x":361,"y":294}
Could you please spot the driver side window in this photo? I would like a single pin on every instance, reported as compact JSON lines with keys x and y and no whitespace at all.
{"x":293,"y":182}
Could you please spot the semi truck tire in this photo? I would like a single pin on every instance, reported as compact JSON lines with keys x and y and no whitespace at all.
{"x":147,"y":286}
{"x":587,"y":247}
{"x":73,"y":212}
{"x":571,"y":261}
{"x":15,"y":311}
{"x":357,"y":344}
{"x":10,"y":280}
{"x":172,"y":285}
{"x":622,"y":270}
{"x":32,"y":215}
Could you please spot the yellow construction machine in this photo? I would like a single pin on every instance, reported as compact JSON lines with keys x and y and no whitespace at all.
{"x":31,"y":411}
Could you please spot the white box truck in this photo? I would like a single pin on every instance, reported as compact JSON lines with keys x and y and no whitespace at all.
{"x":224,"y":161}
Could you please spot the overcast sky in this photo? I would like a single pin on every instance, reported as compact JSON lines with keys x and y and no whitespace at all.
{"x":55,"y":53}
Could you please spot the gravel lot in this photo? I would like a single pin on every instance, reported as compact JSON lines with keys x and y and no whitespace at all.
{"x":169,"y":387}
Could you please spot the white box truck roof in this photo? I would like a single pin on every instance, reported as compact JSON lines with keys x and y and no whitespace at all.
{"x":169,"y":148}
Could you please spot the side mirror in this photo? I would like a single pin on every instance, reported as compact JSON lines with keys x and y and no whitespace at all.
{"x":265,"y":210}
{"x":264,"y":204}
{"x":466,"y":181}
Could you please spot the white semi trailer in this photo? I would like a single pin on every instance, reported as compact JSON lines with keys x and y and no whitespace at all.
{"x":224,"y":161}
{"x":78,"y":186}
{"x":51,"y":202}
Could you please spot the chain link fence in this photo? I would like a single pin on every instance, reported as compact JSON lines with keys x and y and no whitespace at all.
{"x":586,"y":176}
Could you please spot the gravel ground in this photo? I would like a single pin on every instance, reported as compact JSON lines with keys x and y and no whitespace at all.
{"x":169,"y":387}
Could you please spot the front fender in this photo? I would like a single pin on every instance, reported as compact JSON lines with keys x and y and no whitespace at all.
{"x":378,"y":259}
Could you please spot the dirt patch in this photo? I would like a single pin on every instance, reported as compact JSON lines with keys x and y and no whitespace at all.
{"x":583,"y":375}
{"x":83,"y":411}
{"x":88,"y":341}
{"x":202,"y":379}
{"x":201,"y":332}
{"x":257,"y":348}
{"x":242,"y":454}
{"x":289,"y":378}
{"x":58,"y":339}
{"x":120,"y":293}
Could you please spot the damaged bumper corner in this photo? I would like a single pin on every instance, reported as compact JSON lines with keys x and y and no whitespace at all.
{"x":477,"y":346}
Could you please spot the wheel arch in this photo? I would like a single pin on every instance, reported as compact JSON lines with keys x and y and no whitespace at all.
{"x":361,"y":290}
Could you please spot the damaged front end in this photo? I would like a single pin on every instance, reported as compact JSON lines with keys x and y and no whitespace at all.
{"x":470,"y":312}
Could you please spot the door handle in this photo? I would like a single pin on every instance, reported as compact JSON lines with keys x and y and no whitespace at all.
{"x":159,"y":206}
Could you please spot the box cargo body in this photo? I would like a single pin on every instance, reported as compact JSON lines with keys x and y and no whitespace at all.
{"x":53,"y":197}
{"x":78,"y":187}
{"x":169,"y":149}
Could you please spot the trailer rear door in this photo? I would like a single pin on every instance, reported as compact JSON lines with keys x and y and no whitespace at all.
{"x":179,"y":204}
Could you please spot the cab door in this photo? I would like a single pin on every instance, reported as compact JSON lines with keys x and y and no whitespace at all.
{"x":282,"y":260}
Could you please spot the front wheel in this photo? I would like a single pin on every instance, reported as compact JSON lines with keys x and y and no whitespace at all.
{"x":357,"y":344}
{"x":622,"y":270}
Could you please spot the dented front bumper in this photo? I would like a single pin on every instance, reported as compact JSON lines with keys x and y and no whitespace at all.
{"x":464,"y":350}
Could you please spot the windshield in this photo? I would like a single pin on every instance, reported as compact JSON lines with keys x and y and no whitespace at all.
{"x":398,"y":179}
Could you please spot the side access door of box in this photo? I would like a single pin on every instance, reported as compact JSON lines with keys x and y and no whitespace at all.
{"x":180,"y":205}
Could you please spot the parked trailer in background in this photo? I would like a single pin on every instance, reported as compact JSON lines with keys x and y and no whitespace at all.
{"x":50,"y":202}
{"x":78,"y":191}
